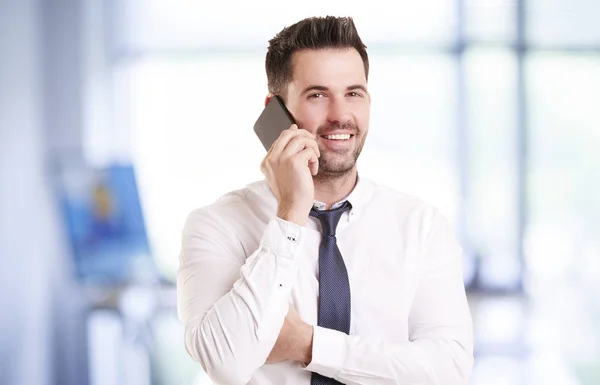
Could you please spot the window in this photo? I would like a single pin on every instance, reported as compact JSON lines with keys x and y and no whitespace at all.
{"x":188,"y":90}
{"x":564,"y":184}
{"x":457,"y":86}
{"x":492,"y":169}
{"x":564,"y":24}
{"x":191,"y":125}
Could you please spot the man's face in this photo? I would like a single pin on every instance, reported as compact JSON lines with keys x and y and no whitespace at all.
{"x":328,"y":96}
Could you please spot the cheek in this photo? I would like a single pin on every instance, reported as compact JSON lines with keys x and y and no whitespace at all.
{"x":363,"y":115}
{"x":310,"y":117}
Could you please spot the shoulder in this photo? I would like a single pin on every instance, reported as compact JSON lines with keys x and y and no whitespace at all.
{"x":231,"y":206}
{"x":406,"y":208}
{"x":394,"y":198}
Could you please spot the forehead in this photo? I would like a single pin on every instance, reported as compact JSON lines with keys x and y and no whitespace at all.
{"x":328,"y":67}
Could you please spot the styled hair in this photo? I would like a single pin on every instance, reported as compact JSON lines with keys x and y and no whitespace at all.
{"x":312,"y":33}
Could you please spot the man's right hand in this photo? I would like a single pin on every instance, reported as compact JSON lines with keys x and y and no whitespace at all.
{"x":289,"y":166}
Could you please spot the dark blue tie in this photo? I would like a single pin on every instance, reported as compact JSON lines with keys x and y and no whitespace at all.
{"x":334,"y":287}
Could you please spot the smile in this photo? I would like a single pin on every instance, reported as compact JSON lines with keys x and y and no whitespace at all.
{"x":338,"y":137}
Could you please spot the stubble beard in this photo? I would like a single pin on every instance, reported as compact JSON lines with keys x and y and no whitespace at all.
{"x":335,"y":164}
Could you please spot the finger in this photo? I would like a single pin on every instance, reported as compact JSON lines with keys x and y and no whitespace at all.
{"x":308,"y":156}
{"x":298,"y":144}
{"x":286,"y":136}
{"x":274,"y":145}
{"x":314,"y":167}
{"x":315,"y":147}
{"x":313,"y":163}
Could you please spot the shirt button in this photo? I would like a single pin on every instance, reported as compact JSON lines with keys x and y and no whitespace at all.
{"x":291,"y":239}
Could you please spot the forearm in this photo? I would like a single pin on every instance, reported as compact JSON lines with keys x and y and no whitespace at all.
{"x":238,"y":332}
{"x":231,"y":333}
{"x":357,"y":360}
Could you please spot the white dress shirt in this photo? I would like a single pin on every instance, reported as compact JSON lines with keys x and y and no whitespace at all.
{"x":241,"y":267}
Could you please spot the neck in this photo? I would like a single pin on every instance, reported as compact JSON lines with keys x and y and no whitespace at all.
{"x":331,"y":189}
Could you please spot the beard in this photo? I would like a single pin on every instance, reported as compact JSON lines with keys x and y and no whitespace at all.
{"x":336,"y":163}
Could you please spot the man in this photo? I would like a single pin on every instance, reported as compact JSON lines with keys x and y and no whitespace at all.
{"x":314,"y":276}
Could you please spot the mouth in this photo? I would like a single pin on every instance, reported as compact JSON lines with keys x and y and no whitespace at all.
{"x":337,"y":142}
{"x":338,"y":137}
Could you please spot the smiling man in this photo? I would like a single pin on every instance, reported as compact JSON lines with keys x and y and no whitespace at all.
{"x":314,"y":275}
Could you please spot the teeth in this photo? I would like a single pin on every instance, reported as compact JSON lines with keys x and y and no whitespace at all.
{"x":338,"y":137}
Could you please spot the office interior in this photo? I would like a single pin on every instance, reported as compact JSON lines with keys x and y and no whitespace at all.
{"x":487,"y":109}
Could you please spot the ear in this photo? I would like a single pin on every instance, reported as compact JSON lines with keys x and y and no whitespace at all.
{"x":268,"y":99}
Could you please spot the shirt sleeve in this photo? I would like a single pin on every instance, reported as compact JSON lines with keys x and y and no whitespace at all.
{"x":440,"y":346}
{"x":233,"y":307}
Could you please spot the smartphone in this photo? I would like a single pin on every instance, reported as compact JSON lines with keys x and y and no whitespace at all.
{"x":274,"y":119}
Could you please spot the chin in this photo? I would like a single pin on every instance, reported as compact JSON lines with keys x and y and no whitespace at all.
{"x":337,"y":168}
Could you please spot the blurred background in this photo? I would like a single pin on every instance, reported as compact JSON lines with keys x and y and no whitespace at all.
{"x":112,"y":129}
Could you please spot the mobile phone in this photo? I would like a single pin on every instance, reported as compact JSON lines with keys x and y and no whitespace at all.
{"x":274,"y":119}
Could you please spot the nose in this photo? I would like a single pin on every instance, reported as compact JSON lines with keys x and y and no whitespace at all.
{"x":339,"y":111}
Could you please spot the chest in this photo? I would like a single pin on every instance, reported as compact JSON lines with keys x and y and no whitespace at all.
{"x":381,"y":269}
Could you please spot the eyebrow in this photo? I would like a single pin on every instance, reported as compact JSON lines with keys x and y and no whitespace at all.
{"x":323,"y":88}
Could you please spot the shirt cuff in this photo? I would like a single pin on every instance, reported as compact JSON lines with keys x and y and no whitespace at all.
{"x":328,"y":352}
{"x":282,"y":238}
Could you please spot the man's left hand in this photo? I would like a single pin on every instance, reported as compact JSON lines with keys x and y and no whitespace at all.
{"x":294,"y":341}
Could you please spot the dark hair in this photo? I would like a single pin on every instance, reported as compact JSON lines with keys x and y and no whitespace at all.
{"x":312,"y":33}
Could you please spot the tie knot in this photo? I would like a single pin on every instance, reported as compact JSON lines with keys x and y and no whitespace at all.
{"x":330,"y":218}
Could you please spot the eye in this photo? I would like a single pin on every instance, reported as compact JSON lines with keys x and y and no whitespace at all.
{"x":316,"y":95}
{"x":355,"y":94}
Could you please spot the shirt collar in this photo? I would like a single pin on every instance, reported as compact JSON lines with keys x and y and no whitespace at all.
{"x":357,"y":198}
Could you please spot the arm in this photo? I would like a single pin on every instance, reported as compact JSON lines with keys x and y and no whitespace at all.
{"x":440,"y":350}
{"x":233,"y":308}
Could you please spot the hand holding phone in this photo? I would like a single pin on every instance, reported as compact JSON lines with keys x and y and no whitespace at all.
{"x":290,"y":163}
